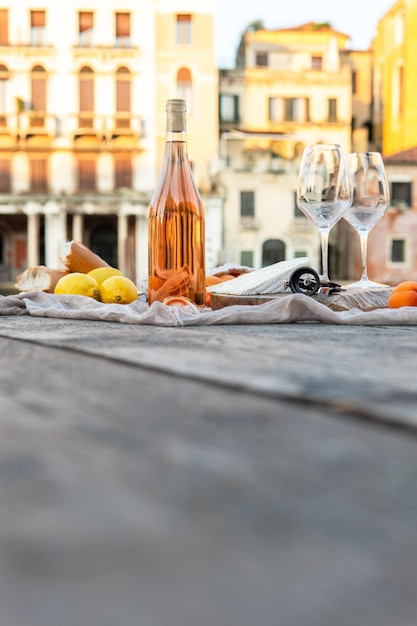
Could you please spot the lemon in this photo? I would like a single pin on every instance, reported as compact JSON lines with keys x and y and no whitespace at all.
{"x":102,"y":273}
{"x":119,"y":289}
{"x":79,"y":284}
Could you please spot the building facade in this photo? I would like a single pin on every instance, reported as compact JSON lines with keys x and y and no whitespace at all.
{"x":290,"y":88}
{"x":83,"y":90}
{"x":394,"y":78}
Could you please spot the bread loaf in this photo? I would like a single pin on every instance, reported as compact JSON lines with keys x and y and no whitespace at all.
{"x":78,"y":258}
{"x":39,"y":278}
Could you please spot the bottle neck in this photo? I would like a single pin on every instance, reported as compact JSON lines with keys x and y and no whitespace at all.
{"x":180,"y":137}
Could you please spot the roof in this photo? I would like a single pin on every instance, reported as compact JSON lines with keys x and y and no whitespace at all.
{"x":405,"y":157}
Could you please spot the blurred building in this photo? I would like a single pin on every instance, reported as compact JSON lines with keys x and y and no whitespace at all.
{"x":83,"y":90}
{"x":290,"y":88}
{"x":393,"y":241}
{"x":394,"y":78}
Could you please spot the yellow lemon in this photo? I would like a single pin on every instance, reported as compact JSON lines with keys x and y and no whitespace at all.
{"x":79,"y":284}
{"x":102,"y":273}
{"x":119,"y":289}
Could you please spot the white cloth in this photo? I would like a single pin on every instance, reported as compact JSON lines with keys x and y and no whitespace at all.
{"x":294,"y":308}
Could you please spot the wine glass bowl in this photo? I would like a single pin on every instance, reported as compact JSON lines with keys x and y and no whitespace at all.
{"x":324,"y":191}
{"x":370,"y":200}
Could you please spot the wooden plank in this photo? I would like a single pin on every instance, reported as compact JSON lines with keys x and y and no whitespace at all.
{"x":128,"y":496}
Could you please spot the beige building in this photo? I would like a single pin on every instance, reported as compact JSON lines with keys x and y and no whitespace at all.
{"x":83,"y":89}
{"x":290,"y":88}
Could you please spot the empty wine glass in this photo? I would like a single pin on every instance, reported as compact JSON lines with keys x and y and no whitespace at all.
{"x":369,"y":203}
{"x":324,"y":191}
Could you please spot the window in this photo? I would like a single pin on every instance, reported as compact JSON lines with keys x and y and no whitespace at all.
{"x":289,"y":109}
{"x":332,"y":110}
{"x":38,"y":175}
{"x":123,"y":30}
{"x":398,"y":90}
{"x":354,"y":82}
{"x":122,"y":172}
{"x":5,"y":178}
{"x":4,"y":27}
{"x":86,"y":97}
{"x":183,"y":29}
{"x":37,"y":28}
{"x":299,"y":254}
{"x":184,"y":86}
{"x":4,"y":77}
{"x":87,"y":174}
{"x":38,"y":96}
{"x":247,"y":204}
{"x":261,"y":59}
{"x":229,"y":108}
{"x":398,"y":251}
{"x":246,"y":258}
{"x":297,"y":211}
{"x":401,"y":194}
{"x":273,"y":251}
{"x":85,"y":28}
{"x":316,"y":62}
{"x":123,"y":98}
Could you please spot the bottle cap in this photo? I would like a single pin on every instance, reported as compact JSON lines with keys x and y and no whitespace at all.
{"x":177,"y":108}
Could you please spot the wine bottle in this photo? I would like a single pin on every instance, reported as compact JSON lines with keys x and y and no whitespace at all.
{"x":176,"y":264}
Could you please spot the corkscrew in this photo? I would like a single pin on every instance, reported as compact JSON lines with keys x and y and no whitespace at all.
{"x":307,"y":281}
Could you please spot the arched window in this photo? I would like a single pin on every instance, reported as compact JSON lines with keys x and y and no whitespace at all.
{"x":123,"y":98}
{"x":273,"y":251}
{"x":4,"y":77}
{"x":86,"y":97}
{"x":184,"y":86}
{"x":38,"y":95}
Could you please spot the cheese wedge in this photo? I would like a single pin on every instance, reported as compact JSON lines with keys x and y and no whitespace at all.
{"x":270,"y":279}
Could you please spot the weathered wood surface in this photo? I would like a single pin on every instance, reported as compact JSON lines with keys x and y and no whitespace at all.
{"x":207,"y":476}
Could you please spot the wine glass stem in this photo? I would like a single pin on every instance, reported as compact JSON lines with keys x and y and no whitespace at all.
{"x":364,"y":246}
{"x":324,"y":235}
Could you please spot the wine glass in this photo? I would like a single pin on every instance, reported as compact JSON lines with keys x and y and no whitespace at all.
{"x":369,"y":203}
{"x":324,"y":191}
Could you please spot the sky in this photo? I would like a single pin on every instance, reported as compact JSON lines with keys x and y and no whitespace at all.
{"x":356,"y":18}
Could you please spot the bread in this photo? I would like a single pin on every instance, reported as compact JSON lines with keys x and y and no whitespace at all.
{"x":78,"y":258}
{"x":39,"y":278}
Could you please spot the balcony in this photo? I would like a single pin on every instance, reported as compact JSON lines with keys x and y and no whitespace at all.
{"x":108,"y":127}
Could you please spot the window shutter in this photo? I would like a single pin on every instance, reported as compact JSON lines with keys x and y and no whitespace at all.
{"x":4,"y":27}
{"x":5,"y":175}
{"x":38,"y":175}
{"x":87,"y":174}
{"x":122,"y":24}
{"x":123,"y":173}
{"x":85,"y":21}
{"x":86,"y":91}
{"x":37,"y":19}
{"x":38,"y":86}
{"x":122,"y":95}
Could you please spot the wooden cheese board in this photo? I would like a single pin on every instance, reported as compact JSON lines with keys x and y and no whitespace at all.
{"x":365,"y":300}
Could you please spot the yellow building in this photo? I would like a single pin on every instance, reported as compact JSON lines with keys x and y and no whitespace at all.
{"x":290,"y":88}
{"x":395,"y":78}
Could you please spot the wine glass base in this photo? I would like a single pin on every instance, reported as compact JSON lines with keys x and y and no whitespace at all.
{"x":365,"y":284}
